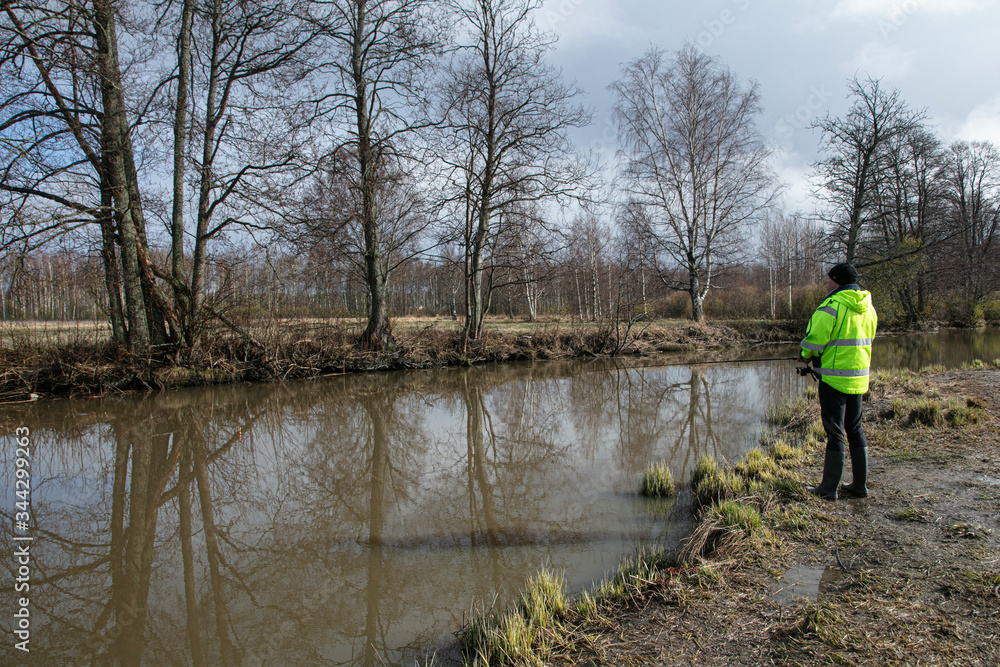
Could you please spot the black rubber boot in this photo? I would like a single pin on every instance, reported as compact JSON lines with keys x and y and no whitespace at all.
{"x":833,"y":469}
{"x":858,"y":487}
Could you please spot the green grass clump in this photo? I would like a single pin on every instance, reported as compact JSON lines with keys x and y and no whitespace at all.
{"x":631,"y":578}
{"x":517,"y":636}
{"x":782,"y":451}
{"x":969,"y":531}
{"x":658,"y":482}
{"x":731,"y":525}
{"x":960,"y":413}
{"x":587,"y":607}
{"x":912,"y":514}
{"x":733,"y":514}
{"x":544,"y":599}
{"x":792,"y":519}
{"x":718,"y":486}
{"x":706,"y":466}
{"x":816,"y":430}
{"x":823,"y":621}
{"x":899,"y":379}
{"x":757,"y":465}
{"x":926,"y":411}
{"x":979,"y":365}
{"x":787,"y":487}
{"x":898,"y":407}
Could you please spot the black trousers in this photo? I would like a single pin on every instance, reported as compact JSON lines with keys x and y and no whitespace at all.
{"x":841,"y":413}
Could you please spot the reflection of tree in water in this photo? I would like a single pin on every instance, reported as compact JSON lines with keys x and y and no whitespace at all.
{"x":510,"y":435}
{"x":669,"y":414}
{"x":95,"y":560}
{"x":948,"y":348}
{"x":320,"y":529}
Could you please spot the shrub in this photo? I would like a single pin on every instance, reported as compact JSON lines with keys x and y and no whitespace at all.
{"x":991,"y":308}
{"x":675,"y":306}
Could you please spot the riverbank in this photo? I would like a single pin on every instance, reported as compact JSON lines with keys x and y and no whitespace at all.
{"x":68,"y":364}
{"x":773,"y":575}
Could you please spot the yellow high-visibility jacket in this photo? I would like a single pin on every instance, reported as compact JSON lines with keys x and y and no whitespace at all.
{"x":840,"y":333}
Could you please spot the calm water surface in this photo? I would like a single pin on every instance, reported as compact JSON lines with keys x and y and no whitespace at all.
{"x":357,"y":520}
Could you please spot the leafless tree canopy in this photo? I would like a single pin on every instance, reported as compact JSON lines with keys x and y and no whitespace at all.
{"x":855,"y":164}
{"x":175,"y":167}
{"x":693,"y":160}
{"x":507,"y":113}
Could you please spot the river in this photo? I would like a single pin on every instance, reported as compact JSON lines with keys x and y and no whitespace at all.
{"x":359,"y":520}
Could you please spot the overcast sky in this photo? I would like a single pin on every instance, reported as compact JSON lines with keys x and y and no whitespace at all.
{"x":943,"y":56}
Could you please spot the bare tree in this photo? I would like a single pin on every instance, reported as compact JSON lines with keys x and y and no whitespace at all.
{"x":333,"y":223}
{"x":590,"y":244}
{"x":518,"y":257}
{"x":855,"y":145}
{"x":238,"y":62}
{"x":68,"y":160}
{"x":908,"y":202}
{"x":508,"y":113}
{"x":777,"y":246}
{"x":791,"y":247}
{"x":379,"y":53}
{"x":101,"y":115}
{"x":694,"y":160}
{"x":973,"y":191}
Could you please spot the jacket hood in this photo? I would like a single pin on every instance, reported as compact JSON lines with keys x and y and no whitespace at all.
{"x":857,"y":300}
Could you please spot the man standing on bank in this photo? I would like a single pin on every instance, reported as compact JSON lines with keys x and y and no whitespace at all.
{"x":839,"y":336}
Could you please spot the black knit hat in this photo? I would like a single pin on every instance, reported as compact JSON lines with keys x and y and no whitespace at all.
{"x":843,"y":274}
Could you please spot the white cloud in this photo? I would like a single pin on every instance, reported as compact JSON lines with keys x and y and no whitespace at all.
{"x":983,"y":123}
{"x":793,"y":171}
{"x":882,"y":60}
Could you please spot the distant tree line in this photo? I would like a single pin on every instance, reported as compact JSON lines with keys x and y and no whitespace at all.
{"x":920,"y":219}
{"x":170,"y":165}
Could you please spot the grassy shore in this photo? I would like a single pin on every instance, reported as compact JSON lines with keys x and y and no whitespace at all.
{"x":908,"y":576}
{"x":45,"y":359}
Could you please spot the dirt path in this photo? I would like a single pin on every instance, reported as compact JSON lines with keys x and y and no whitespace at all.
{"x":910,"y":576}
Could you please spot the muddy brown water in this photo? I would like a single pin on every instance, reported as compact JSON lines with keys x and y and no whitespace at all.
{"x":360,"y":520}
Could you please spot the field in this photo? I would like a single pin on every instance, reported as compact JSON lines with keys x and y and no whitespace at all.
{"x":77,"y":358}
{"x":92,"y":332}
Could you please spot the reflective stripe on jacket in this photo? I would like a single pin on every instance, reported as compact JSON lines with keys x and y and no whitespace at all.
{"x":840,"y":333}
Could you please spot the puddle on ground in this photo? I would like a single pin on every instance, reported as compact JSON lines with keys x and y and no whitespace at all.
{"x":806,"y":583}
